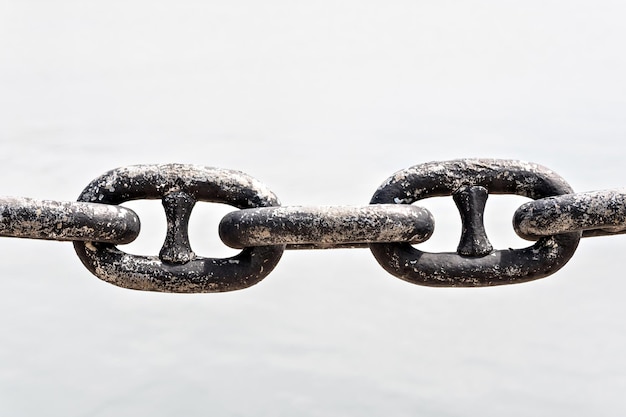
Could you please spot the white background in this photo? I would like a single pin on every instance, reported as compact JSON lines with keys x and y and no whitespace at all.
{"x":322,"y":101}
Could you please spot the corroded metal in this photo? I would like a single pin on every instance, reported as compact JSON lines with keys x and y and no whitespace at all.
{"x":326,"y":227}
{"x":471,"y":201}
{"x":67,"y":220}
{"x":178,"y":269}
{"x":499,"y":267}
{"x":389,"y":226}
{"x":597,"y":213}
{"x":177,"y":248}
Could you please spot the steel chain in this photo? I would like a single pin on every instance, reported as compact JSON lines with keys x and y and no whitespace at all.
{"x":390,"y":225}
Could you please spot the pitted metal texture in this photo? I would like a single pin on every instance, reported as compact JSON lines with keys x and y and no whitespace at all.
{"x":478,"y":266}
{"x":178,"y":268}
{"x":326,"y":227}
{"x":67,"y":220}
{"x":390,"y":225}
{"x":596,"y":213}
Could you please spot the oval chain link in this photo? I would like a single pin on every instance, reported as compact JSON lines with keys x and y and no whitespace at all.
{"x":178,"y":269}
{"x":475,"y":264}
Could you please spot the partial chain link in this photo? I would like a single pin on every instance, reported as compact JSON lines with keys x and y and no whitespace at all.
{"x":596,"y":213}
{"x":390,"y":225}
{"x":67,"y":221}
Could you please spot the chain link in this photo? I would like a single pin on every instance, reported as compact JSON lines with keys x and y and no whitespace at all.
{"x":178,"y":268}
{"x":326,"y":227}
{"x":389,"y":226}
{"x":596,"y":213}
{"x":475,"y":264}
{"x":67,"y":221}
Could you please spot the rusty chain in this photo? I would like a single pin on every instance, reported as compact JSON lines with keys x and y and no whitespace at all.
{"x":390,"y":225}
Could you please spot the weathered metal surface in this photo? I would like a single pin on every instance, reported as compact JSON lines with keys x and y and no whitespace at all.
{"x":179,"y":270}
{"x":67,"y":220}
{"x":326,"y":227}
{"x":596,"y":213}
{"x":177,"y":248}
{"x":389,"y":226}
{"x":471,"y":200}
{"x":498,"y":267}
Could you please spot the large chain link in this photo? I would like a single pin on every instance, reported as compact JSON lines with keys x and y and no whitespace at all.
{"x":390,"y":225}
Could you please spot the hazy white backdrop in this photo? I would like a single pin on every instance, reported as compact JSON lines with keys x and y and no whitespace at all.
{"x":322,"y":101}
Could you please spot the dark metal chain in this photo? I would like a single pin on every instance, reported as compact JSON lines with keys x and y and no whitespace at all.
{"x":67,"y":221}
{"x":390,"y":225}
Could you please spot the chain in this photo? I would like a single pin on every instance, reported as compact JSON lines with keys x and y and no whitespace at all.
{"x":390,"y":225}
